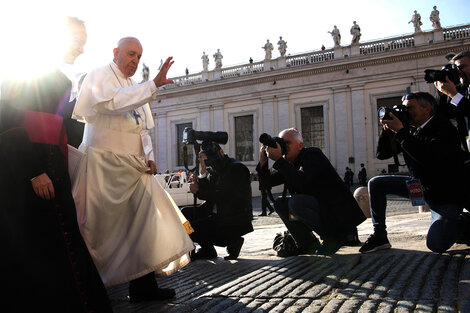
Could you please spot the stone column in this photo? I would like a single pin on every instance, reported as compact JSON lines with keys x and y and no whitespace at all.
{"x":161,"y":135}
{"x":218,"y":117}
{"x":267,"y":116}
{"x":205,"y":116}
{"x":359,"y":142}
{"x":340,"y":147}
{"x":283,"y":116}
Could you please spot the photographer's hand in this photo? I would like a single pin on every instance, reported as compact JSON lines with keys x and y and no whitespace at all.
{"x":202,"y":160}
{"x":263,"y":158}
{"x":194,"y":187}
{"x":448,"y":88}
{"x":274,"y":153}
{"x":394,"y":124}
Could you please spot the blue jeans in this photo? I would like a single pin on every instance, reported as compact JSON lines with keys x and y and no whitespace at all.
{"x":300,"y":214}
{"x":443,"y":231}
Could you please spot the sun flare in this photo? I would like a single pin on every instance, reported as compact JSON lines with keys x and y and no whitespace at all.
{"x":36,"y":44}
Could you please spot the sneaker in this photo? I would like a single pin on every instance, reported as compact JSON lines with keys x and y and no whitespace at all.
{"x":375,"y":243}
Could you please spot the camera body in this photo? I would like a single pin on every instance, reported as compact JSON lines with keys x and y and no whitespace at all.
{"x":448,"y":70}
{"x":191,"y":136}
{"x":269,"y":141}
{"x":399,"y":110}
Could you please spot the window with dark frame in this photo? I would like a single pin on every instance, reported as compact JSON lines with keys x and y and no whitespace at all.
{"x":179,"y":146}
{"x":244,"y":150}
{"x":313,"y":127}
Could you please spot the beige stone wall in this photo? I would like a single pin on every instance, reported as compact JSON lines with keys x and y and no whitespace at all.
{"x":347,"y":88}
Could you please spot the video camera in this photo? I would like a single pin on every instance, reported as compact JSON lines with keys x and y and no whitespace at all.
{"x":399,"y":110}
{"x":269,"y":141}
{"x":191,"y":136}
{"x":448,"y":70}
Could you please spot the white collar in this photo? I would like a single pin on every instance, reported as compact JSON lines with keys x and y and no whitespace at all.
{"x":424,"y":124}
{"x":118,"y":71}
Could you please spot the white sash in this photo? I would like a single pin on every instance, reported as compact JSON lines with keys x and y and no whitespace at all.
{"x":112,"y":140}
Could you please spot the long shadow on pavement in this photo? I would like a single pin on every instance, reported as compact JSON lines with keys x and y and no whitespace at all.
{"x":385,"y":281}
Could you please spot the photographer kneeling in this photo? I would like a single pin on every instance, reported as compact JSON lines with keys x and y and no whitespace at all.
{"x":432,"y":152}
{"x":226,"y":214}
{"x":319,"y":199}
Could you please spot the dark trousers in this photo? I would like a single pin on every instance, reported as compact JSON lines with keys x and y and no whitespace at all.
{"x":444,"y":228}
{"x":207,"y":229}
{"x":265,"y":193}
{"x":300,"y":214}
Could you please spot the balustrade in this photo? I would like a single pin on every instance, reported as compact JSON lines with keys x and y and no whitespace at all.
{"x":457,"y":33}
{"x":377,"y":46}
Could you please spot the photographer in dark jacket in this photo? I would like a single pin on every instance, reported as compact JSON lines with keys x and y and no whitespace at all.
{"x":319,"y":200}
{"x":226,"y":214}
{"x":454,"y":100}
{"x":433,"y":155}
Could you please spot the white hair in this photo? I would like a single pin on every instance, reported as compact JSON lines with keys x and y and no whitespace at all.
{"x":294,"y":131}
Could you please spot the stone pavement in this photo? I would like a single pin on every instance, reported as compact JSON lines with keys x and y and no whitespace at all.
{"x":406,"y":278}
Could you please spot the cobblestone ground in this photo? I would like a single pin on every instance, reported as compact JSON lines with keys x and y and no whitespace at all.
{"x":406,"y":278}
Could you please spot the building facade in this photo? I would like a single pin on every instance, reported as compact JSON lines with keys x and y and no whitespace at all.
{"x":331,"y":96}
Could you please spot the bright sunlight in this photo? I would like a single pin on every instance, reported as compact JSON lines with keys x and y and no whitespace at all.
{"x":36,"y":44}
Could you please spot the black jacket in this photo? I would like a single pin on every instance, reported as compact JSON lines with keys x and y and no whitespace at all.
{"x":445,"y":109}
{"x":313,"y":174}
{"x":434,"y":155}
{"x":229,"y":189}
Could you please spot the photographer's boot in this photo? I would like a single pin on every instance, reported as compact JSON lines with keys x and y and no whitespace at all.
{"x":206,"y":252}
{"x":351,"y":238}
{"x":233,"y":248}
{"x":464,"y":228}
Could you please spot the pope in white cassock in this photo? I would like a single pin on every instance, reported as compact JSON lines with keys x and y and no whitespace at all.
{"x":131,"y":226}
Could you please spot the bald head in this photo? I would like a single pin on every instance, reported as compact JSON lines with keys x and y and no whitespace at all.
{"x":127,"y":55}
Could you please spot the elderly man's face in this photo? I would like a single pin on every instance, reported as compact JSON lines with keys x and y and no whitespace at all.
{"x":127,"y":56}
{"x":293,"y":147}
{"x":76,"y":41}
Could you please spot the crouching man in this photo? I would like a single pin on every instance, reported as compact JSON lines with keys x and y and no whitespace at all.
{"x":319,"y":201}
{"x":226,"y":214}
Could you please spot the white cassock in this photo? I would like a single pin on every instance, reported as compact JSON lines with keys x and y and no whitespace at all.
{"x":128,"y":221}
